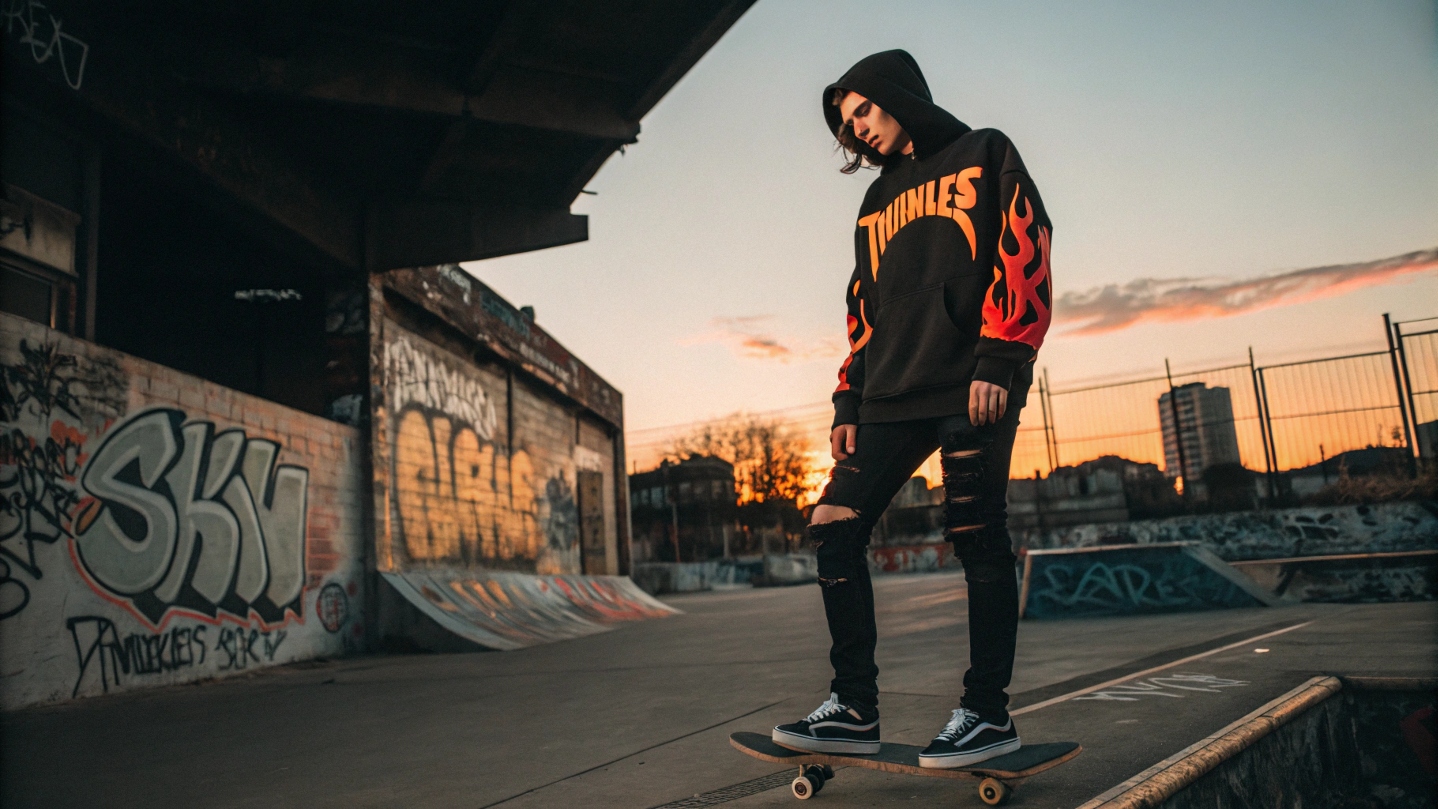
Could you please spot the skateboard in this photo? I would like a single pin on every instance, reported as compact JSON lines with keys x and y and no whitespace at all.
{"x":996,"y":777}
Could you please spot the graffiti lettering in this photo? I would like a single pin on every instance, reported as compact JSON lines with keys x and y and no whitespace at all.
{"x":457,"y":497}
{"x":187,"y":519}
{"x":333,"y":607}
{"x":1174,"y":686}
{"x":37,"y":476}
{"x":561,"y":527}
{"x":414,"y":378}
{"x":97,"y":643}
{"x":69,"y":52}
{"x":1097,"y":588}
{"x":241,"y":647}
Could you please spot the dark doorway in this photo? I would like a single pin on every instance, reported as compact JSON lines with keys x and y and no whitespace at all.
{"x":591,"y":523}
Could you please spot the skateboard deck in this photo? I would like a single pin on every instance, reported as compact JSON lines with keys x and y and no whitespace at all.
{"x":996,"y":776}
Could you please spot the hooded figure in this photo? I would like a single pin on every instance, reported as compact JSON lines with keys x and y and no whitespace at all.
{"x":948,"y":305}
{"x":892,"y":80}
{"x":951,"y":278}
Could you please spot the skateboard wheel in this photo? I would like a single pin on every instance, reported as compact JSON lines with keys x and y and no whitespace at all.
{"x":993,"y":792}
{"x":828,"y":772}
{"x":804,"y":788}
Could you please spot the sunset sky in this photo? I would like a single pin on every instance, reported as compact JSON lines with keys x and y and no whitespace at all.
{"x":1192,"y":158}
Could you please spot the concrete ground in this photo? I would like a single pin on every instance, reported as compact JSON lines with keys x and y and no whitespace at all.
{"x":640,"y":717}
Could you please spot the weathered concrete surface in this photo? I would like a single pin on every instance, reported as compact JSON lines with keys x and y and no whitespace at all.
{"x":1357,"y":578}
{"x":769,"y":570}
{"x":1346,"y":751}
{"x":1268,"y":534}
{"x":640,"y":716}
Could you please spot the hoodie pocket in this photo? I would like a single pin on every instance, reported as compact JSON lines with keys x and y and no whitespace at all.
{"x":915,"y":346}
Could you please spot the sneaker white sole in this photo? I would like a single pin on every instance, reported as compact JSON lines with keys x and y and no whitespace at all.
{"x":956,"y":760}
{"x":809,"y":744}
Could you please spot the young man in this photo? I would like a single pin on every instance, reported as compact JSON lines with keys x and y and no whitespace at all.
{"x":948,"y":304}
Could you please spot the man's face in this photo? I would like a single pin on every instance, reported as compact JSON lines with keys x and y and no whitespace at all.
{"x":874,"y":126}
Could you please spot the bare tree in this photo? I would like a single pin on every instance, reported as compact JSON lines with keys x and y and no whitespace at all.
{"x":769,"y":456}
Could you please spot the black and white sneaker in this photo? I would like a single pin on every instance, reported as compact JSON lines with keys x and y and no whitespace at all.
{"x":967,"y":739}
{"x":832,"y":728}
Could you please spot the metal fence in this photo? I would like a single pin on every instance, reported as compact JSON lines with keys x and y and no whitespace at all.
{"x":1284,"y":418}
{"x":1416,"y":342}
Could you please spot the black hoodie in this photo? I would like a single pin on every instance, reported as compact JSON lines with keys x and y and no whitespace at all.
{"x":951,"y":254}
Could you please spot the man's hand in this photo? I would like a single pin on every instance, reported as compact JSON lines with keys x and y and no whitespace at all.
{"x":987,"y":403}
{"x":841,"y":441}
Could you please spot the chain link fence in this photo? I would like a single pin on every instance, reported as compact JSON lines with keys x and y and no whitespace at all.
{"x":1268,"y":433}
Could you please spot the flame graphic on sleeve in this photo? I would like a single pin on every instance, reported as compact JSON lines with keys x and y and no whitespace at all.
{"x":855,"y":344}
{"x":1016,"y":307}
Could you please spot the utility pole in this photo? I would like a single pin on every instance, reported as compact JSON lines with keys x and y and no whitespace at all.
{"x":1265,"y":433}
{"x":673,"y":511}
{"x":1400,"y":377}
{"x":1052,"y":431}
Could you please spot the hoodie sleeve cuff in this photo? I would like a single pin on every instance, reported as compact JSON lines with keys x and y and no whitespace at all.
{"x":846,"y":410}
{"x":996,"y":371}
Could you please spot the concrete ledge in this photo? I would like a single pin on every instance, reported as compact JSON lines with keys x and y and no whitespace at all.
{"x":770,"y":570}
{"x":1349,"y":577}
{"x":1160,"y":782}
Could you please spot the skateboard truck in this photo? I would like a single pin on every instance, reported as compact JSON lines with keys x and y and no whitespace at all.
{"x":811,"y":779}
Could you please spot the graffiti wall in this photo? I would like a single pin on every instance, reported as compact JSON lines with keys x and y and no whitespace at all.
{"x":156,"y":528}
{"x":480,"y":462}
{"x":1267,"y":534}
{"x":1132,"y":580}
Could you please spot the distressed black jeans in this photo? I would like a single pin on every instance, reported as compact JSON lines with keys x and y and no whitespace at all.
{"x":975,"y":463}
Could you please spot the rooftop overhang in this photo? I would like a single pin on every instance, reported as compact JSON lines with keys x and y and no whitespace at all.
{"x":379,"y":134}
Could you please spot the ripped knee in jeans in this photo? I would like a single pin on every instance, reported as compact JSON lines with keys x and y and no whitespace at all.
{"x":837,"y":489}
{"x":963,"y":467}
{"x":839,"y":546}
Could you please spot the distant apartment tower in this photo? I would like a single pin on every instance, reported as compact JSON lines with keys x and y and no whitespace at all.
{"x":1205,"y":421}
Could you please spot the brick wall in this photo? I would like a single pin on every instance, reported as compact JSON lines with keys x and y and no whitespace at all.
{"x":476,"y":465}
{"x":157,"y":528}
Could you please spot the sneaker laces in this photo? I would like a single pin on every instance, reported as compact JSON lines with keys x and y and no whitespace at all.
{"x":958,"y":724}
{"x":830,"y":707}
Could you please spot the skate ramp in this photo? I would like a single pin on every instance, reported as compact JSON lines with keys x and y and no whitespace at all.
{"x":452,"y":610}
{"x":1354,"y":578}
{"x":1132,"y":580}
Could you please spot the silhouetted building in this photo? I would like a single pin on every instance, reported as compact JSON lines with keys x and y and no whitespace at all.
{"x":1205,"y":423}
{"x":685,"y":511}
{"x":1068,"y":496}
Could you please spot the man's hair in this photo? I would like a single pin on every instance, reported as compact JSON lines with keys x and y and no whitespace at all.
{"x":847,"y":142}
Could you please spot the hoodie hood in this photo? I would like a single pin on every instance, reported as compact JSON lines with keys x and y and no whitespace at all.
{"x":893,"y":81}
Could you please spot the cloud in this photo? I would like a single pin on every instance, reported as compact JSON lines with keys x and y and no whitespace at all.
{"x":751,"y":337}
{"x":1118,"y":306}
